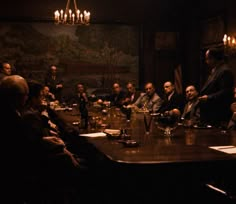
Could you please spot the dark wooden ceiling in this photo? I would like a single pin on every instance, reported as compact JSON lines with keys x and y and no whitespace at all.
{"x":159,"y":12}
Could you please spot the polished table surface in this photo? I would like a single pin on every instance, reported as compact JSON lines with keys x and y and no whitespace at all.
{"x":165,"y":169}
{"x":186,"y":145}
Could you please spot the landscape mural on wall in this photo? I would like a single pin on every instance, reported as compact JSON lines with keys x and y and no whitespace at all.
{"x":96,"y":55}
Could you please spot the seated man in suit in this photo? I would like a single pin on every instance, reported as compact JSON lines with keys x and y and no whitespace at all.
{"x":172,"y":100}
{"x":47,"y":96}
{"x":131,"y":97}
{"x":150,"y":100}
{"x":191,"y":112}
{"x":232,"y":122}
{"x":13,"y":94}
{"x":30,"y":154}
{"x":132,"y":94}
{"x":117,"y":96}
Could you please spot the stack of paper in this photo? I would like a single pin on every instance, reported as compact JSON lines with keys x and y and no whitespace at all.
{"x":229,"y":149}
{"x":94,"y":134}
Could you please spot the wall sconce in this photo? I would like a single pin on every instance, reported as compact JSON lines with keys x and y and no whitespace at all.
{"x":229,"y":44}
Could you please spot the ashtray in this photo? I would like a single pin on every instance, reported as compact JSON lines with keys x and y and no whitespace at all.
{"x":112,"y":133}
{"x":130,"y":143}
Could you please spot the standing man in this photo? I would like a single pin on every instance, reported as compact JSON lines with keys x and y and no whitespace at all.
{"x":54,"y":82}
{"x":216,"y":94}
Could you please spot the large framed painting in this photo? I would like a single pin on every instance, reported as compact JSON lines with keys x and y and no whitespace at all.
{"x":96,"y":55}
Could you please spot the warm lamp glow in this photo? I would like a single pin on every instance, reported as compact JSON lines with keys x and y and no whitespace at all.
{"x":70,"y":16}
{"x":229,"y":44}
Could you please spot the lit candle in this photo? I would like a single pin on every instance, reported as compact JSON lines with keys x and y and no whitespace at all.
{"x":81,"y":17}
{"x":88,"y":16}
{"x":225,"y":39}
{"x":73,"y":18}
{"x":77,"y":12}
{"x":85,"y":15}
{"x":56,"y":15}
{"x":233,"y":41}
{"x":70,"y":12}
{"x":61,"y":14}
{"x":229,"y":42}
{"x":65,"y":18}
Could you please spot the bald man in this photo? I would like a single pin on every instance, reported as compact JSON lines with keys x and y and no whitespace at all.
{"x":191,"y":113}
{"x":216,"y":95}
{"x":5,"y":70}
{"x":13,"y":94}
{"x":25,"y":156}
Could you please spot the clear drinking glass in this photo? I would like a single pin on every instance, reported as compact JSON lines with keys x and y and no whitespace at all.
{"x":147,"y":117}
{"x":166,"y":123}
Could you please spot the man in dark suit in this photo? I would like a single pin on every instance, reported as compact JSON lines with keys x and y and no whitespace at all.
{"x":13,"y":94}
{"x":216,"y":95}
{"x":117,"y":96}
{"x":132,"y":93}
{"x":54,"y":82}
{"x":232,"y":122}
{"x":191,"y":112}
{"x":172,"y":100}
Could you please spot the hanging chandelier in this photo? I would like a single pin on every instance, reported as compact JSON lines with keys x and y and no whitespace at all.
{"x":71,"y":17}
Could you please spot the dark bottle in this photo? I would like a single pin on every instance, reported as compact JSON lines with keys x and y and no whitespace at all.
{"x":83,"y":113}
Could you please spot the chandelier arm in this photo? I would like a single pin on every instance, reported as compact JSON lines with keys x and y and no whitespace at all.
{"x":67,"y":6}
{"x":76,"y":8}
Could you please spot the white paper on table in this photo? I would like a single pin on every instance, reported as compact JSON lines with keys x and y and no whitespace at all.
{"x":94,"y":134}
{"x":112,"y":131}
{"x":229,"y":149}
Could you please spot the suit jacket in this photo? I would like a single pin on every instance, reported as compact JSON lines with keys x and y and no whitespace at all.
{"x":117,"y":99}
{"x":176,"y":101}
{"x":219,"y":89}
{"x":152,"y":103}
{"x":136,"y":96}
{"x":52,"y":83}
{"x":16,"y":154}
{"x":192,"y":113}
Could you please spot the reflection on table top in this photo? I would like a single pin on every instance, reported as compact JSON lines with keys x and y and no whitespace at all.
{"x":186,"y":145}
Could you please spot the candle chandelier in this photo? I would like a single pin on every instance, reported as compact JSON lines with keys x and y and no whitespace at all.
{"x":229,"y":44}
{"x":71,"y":17}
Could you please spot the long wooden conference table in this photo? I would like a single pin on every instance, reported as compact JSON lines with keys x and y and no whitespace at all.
{"x":158,"y":167}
